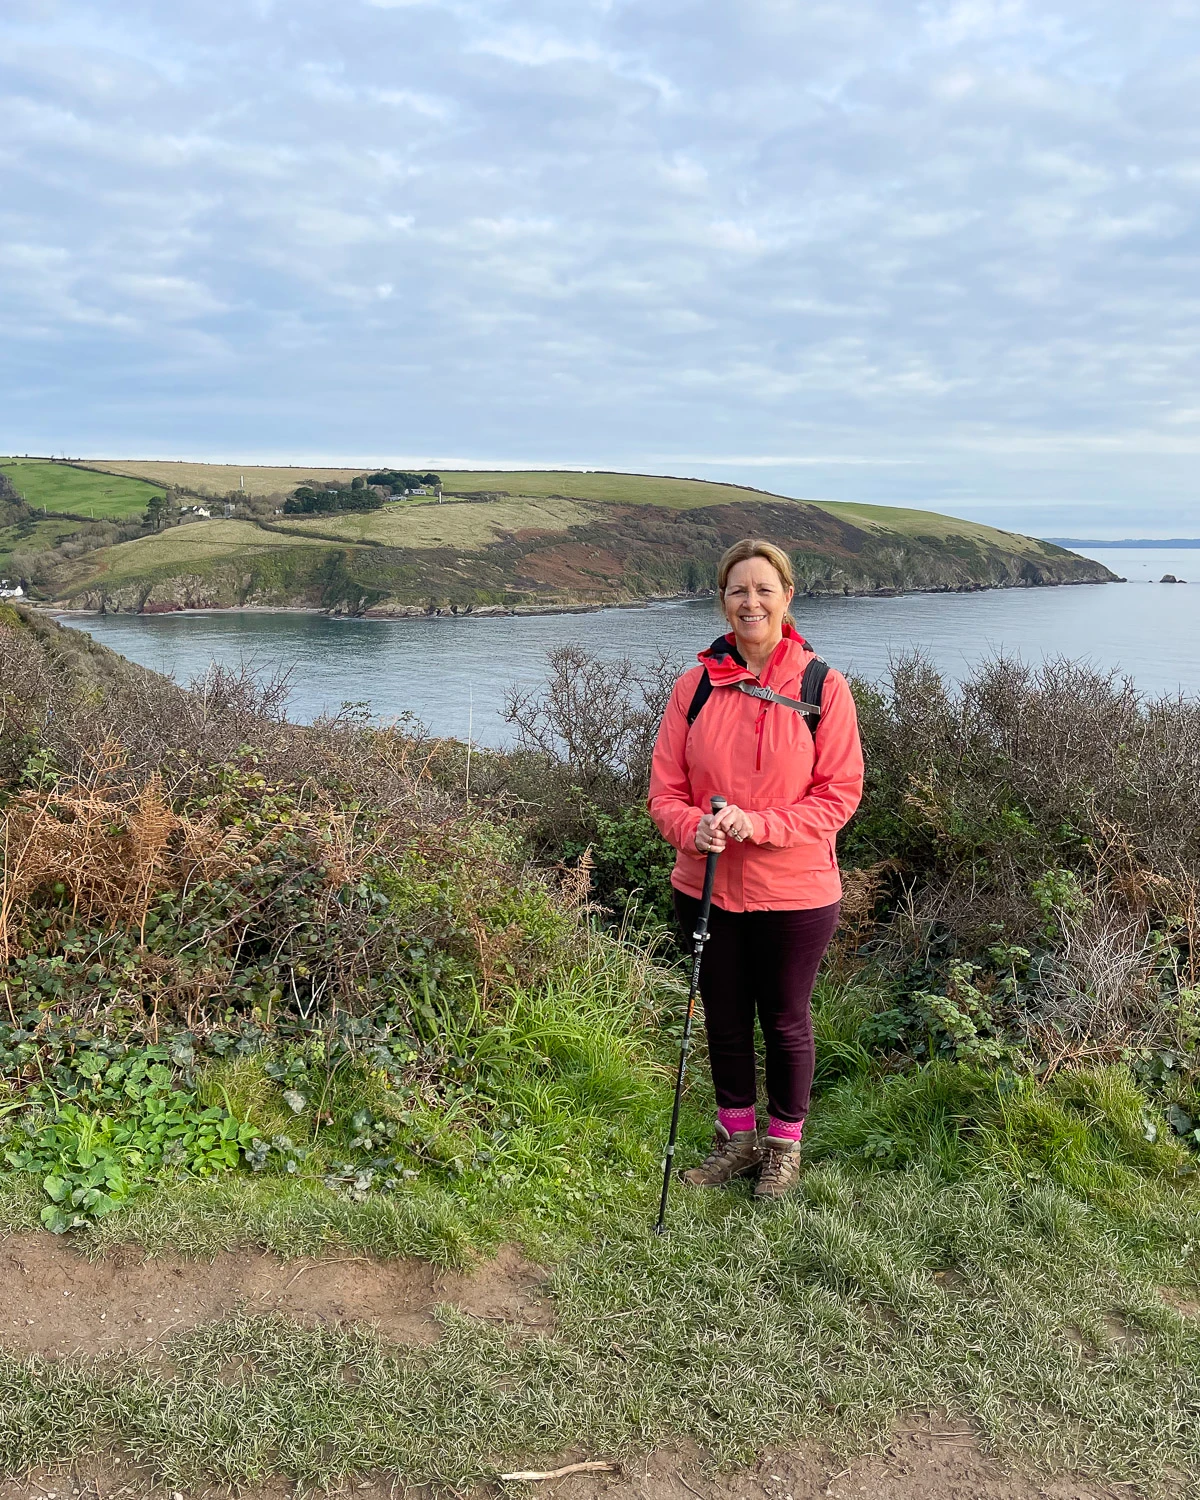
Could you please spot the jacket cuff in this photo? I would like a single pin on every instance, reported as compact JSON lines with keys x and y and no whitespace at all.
{"x":758,"y":828}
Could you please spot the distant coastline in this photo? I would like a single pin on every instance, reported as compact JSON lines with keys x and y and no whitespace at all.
{"x":1135,"y":541}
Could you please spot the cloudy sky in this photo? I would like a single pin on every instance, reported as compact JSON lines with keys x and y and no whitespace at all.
{"x":938,"y":253}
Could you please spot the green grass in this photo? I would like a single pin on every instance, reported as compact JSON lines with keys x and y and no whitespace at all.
{"x":925,"y":523}
{"x":424,"y":523}
{"x":1006,"y":1266}
{"x":684,"y":494}
{"x":827,"y":1319}
{"x":80,"y":492}
{"x":196,"y":543}
{"x":34,"y":536}
{"x":611,"y":489}
{"x":223,"y":479}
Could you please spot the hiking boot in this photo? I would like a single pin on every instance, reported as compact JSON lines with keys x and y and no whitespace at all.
{"x":780,"y":1169}
{"x":731,"y":1156}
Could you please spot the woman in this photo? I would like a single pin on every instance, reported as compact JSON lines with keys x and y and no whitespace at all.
{"x":777,"y":891}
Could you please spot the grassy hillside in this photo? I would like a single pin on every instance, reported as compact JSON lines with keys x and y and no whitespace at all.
{"x":194,"y":545}
{"x":886,"y":519}
{"x":615,"y":489}
{"x":517,"y":540}
{"x":79,"y":492}
{"x":601,"y":487}
{"x":28,"y":534}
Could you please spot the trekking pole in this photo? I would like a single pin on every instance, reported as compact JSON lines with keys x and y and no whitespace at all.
{"x":699,"y":938}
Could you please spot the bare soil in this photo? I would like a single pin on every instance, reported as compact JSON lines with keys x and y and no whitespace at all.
{"x":53,"y":1302}
{"x":927,"y":1460}
{"x":1180,"y":1301}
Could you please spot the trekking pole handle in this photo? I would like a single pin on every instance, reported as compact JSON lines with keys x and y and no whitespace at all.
{"x":710,"y":867}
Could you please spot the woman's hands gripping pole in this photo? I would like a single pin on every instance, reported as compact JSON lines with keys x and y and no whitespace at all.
{"x":714,"y":829}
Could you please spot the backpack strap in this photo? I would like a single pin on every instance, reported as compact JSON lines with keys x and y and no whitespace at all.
{"x":699,"y":697}
{"x":812,"y":686}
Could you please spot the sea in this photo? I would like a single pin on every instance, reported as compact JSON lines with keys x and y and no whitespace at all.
{"x":453,"y":673}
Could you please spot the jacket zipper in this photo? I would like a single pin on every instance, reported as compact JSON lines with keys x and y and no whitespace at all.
{"x":762,"y":718}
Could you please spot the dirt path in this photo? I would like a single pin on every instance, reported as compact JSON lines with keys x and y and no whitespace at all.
{"x":933,"y":1460}
{"x":55,"y":1303}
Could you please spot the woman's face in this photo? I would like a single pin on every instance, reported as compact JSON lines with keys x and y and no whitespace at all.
{"x":755,"y":601}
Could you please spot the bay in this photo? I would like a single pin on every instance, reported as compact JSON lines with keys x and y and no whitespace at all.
{"x":452,"y":673}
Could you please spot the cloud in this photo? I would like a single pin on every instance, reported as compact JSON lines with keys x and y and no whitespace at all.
{"x":937,"y":254}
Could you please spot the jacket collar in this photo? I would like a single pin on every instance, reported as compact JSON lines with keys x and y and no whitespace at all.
{"x":725,"y":664}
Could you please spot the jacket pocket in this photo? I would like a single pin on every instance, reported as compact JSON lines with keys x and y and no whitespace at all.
{"x":811,"y":857}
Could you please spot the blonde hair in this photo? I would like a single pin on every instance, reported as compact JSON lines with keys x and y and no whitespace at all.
{"x":750,"y":547}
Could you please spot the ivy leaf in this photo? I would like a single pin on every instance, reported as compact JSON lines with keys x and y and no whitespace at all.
{"x":294,"y":1100}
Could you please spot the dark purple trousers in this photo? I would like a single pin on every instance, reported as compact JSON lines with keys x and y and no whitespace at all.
{"x":764,"y":964}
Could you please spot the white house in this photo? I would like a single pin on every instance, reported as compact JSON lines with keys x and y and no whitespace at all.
{"x":10,"y":590}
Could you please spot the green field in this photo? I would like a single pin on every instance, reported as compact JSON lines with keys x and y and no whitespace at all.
{"x":425,"y":523}
{"x":611,"y":489}
{"x":223,"y":479}
{"x":81,"y":492}
{"x":198,"y":542}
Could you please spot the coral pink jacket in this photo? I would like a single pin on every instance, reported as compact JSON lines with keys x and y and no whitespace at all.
{"x":798,"y":791}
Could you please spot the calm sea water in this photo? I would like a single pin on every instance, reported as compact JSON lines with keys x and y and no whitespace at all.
{"x":454,"y":672}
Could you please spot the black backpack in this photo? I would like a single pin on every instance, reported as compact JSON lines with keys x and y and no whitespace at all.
{"x":812,"y":685}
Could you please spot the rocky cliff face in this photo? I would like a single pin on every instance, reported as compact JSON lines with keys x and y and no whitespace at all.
{"x":627,"y":553}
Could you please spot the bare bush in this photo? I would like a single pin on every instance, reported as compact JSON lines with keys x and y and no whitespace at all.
{"x":598,"y":717}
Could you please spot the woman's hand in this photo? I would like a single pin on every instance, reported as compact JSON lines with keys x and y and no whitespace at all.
{"x":713,"y":830}
{"x":709,"y":838}
{"x":735,"y":822}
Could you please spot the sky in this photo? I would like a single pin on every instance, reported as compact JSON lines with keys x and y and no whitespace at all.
{"x":940,"y":254}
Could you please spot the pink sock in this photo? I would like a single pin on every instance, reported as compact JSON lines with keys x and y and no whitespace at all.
{"x":737,"y":1119}
{"x":785,"y":1130}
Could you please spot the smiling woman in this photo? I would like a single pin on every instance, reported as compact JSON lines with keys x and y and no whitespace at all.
{"x":789,"y":789}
